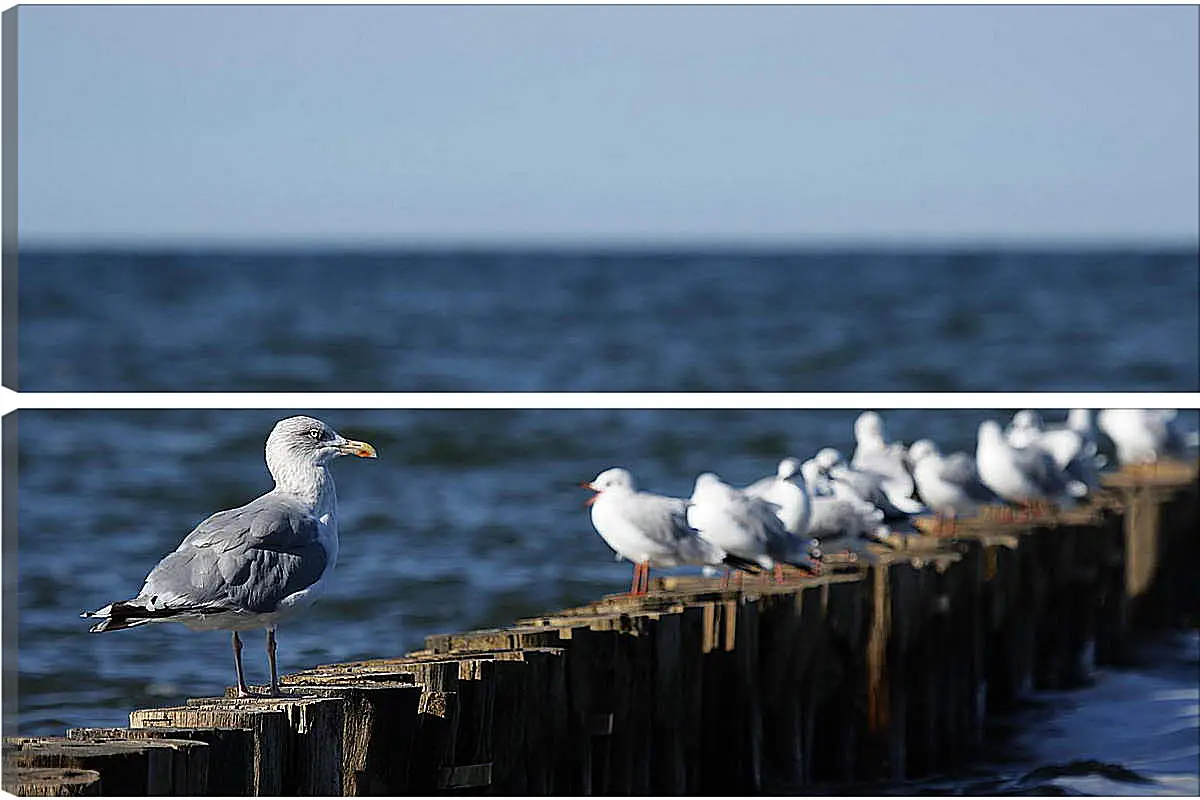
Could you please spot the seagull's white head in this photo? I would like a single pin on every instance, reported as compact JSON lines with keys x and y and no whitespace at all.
{"x":1027,"y":420}
{"x":922,"y":449}
{"x":610,"y":480}
{"x":868,"y":427}
{"x":300,"y":441}
{"x":788,"y":468}
{"x":708,"y":488}
{"x":811,"y":471}
{"x":989,"y":432}
{"x":827,"y":457}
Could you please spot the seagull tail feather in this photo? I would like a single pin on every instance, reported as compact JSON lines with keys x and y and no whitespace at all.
{"x":126,"y":614}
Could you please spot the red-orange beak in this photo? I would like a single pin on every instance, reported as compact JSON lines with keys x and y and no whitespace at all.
{"x":593,"y":498}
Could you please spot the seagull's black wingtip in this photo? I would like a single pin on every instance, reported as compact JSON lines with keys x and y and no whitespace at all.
{"x":737,"y":562}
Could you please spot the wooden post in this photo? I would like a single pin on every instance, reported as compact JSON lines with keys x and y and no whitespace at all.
{"x":746,"y":650}
{"x":1141,"y":539}
{"x":51,"y":781}
{"x":670,"y":707}
{"x":379,"y":729}
{"x":590,"y":668}
{"x":879,"y":689}
{"x":433,"y":748}
{"x":161,"y":767}
{"x":297,"y":741}
{"x":230,"y":752}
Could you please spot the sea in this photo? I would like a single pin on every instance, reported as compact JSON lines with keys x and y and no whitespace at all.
{"x":473,"y":517}
{"x":599,"y":321}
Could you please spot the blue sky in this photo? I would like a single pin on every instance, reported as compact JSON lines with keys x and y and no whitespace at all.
{"x":758,"y":125}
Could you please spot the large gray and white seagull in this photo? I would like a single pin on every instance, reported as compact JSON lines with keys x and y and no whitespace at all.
{"x":253,"y":566}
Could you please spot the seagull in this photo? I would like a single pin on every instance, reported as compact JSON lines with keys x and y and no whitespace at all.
{"x":865,"y":485}
{"x":1067,"y":445}
{"x":1074,"y":449}
{"x":649,"y":529}
{"x":1022,"y":475}
{"x":1025,"y":428}
{"x":1080,"y":421}
{"x":873,"y":453}
{"x":1142,"y":436}
{"x":253,"y":566}
{"x":819,"y":484}
{"x":747,"y":527}
{"x":787,"y":490}
{"x":836,"y":517}
{"x":949,"y":485}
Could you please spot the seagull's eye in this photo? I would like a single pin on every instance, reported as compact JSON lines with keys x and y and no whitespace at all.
{"x":315,"y":433}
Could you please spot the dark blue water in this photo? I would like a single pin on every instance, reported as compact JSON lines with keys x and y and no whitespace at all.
{"x":468,"y":519}
{"x":1134,"y":732}
{"x":546,"y":321}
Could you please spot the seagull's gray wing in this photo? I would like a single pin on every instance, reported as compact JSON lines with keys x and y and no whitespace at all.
{"x":888,"y":465}
{"x":1039,"y":467}
{"x":865,"y":485}
{"x":960,"y":470}
{"x":832,"y":517}
{"x":760,"y":515}
{"x":763,"y":521}
{"x":868,"y":486}
{"x":246,"y":559}
{"x":664,"y":520}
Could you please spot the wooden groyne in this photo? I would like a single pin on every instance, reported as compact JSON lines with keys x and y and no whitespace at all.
{"x":871,"y":671}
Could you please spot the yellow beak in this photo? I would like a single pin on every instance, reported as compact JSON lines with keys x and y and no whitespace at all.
{"x":360,"y":449}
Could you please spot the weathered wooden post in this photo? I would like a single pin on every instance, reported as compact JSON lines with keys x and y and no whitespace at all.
{"x":158,"y":767}
{"x":297,"y":742}
{"x":230,"y":753}
{"x":51,"y":782}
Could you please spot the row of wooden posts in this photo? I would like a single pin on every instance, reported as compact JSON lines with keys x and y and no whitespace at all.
{"x":875,"y":670}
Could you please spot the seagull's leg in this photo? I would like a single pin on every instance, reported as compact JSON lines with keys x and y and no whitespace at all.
{"x":243,"y":690}
{"x":637,"y":573}
{"x":641,"y":578}
{"x":271,"y":659}
{"x":778,"y":572}
{"x":725,"y":580}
